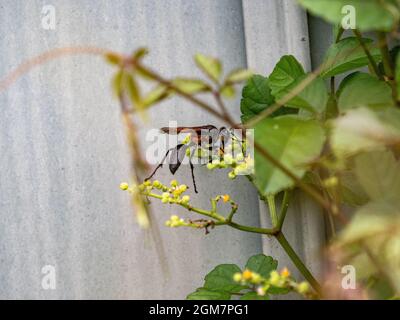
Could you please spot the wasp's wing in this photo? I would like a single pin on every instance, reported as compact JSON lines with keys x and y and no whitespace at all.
{"x":177,"y":156}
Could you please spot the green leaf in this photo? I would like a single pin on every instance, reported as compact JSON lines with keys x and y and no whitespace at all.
{"x":293,"y":142}
{"x":369,"y":14}
{"x":140,"y":53}
{"x":369,"y":221}
{"x":205,"y":294}
{"x":253,"y":296}
{"x":378,"y":172}
{"x":221,"y":278}
{"x":314,"y":97}
{"x":228,"y":91}
{"x":351,"y":191}
{"x":117,"y":83}
{"x":132,"y":89}
{"x":377,"y":226}
{"x":262,"y":264}
{"x":363,"y":90}
{"x":372,"y":220}
{"x":113,"y":58}
{"x":397,"y":75}
{"x":256,"y":96}
{"x":347,"y":55}
{"x":191,"y":86}
{"x":156,"y":95}
{"x":210,"y":66}
{"x":364,"y":129}
{"x":286,"y":71}
{"x":238,"y":75}
{"x":381,"y":289}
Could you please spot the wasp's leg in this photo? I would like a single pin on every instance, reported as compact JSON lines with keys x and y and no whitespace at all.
{"x":192,"y":171}
{"x":240,"y":141}
{"x":159,"y":165}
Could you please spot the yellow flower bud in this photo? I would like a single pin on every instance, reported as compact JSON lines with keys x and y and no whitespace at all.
{"x":157,"y":184}
{"x":256,"y":278}
{"x":124,"y":186}
{"x":237,"y":277}
{"x":182,"y":188}
{"x":222,"y":164}
{"x":187,"y":139}
{"x":303,"y":287}
{"x":274,"y":278}
{"x":247,"y":274}
{"x":210,"y":166}
{"x":241,"y":169}
{"x":147,"y":183}
{"x":165,"y":197}
{"x":285,"y":273}
{"x":226,"y":197}
{"x":232,"y":175}
{"x":185,"y":199}
{"x":174,"y":183}
{"x":176,"y":193}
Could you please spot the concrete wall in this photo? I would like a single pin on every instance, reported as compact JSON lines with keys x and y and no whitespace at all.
{"x":63,"y":151}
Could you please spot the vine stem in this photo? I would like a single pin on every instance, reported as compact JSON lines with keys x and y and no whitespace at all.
{"x":387,"y":65}
{"x":368,"y":54}
{"x":297,"y":261}
{"x":284,"y":207}
{"x":221,"y":220}
{"x":277,"y":222}
{"x":272,"y":209}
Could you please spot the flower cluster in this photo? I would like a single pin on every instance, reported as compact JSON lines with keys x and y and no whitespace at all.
{"x":241,"y":165}
{"x":172,"y":194}
{"x":276,"y":279}
{"x":174,"y":221}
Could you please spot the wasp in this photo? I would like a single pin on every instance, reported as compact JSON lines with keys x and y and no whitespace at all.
{"x":206,"y":137}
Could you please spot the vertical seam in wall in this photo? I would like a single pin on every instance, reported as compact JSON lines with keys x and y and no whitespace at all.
{"x":309,"y":41}
{"x":308,"y":47}
{"x":283,"y":9}
{"x":244,"y":33}
{"x":247,"y":63}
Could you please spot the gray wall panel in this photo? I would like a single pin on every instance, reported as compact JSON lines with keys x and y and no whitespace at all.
{"x":63,"y":151}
